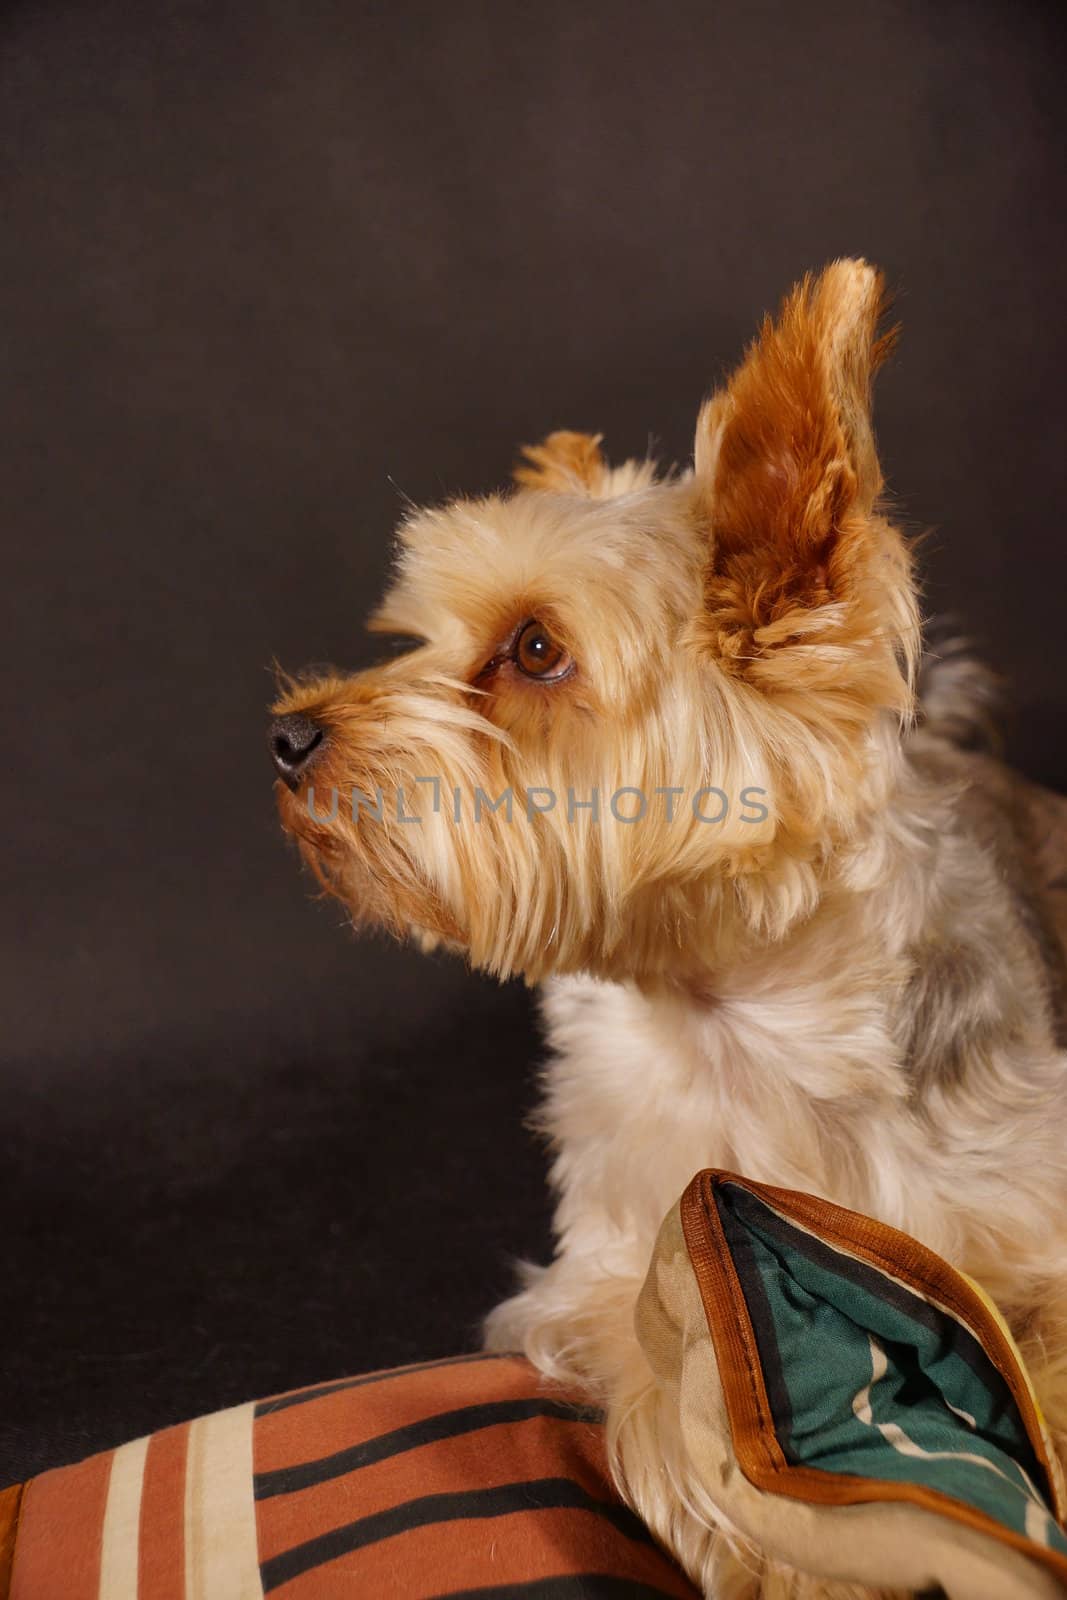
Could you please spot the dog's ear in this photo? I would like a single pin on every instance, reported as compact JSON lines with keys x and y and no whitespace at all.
{"x":801,"y":571}
{"x":565,"y":461}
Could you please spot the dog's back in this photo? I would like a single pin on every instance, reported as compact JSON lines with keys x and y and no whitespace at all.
{"x":1021,"y":827}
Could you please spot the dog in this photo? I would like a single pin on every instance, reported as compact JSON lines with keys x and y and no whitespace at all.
{"x":660,"y":746}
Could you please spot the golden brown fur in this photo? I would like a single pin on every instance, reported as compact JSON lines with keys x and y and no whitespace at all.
{"x":565,"y":461}
{"x":855,"y":993}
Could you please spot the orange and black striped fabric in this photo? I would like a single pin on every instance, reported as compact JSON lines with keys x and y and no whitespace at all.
{"x":464,"y":1477}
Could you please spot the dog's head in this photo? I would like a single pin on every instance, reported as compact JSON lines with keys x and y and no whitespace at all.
{"x":641,"y":713}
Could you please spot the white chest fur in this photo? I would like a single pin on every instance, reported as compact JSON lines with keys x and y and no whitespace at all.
{"x":791,"y":1078}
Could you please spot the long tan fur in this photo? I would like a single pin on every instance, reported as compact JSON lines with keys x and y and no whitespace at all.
{"x":856,"y":993}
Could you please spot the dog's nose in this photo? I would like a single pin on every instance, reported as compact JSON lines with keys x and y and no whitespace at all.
{"x":294,"y":742}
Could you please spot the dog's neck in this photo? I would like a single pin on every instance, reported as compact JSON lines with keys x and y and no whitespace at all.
{"x":878,"y":887}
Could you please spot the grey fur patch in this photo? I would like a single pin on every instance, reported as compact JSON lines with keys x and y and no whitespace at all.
{"x":991,"y":972}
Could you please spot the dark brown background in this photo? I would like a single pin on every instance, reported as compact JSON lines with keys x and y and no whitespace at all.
{"x":266,"y":268}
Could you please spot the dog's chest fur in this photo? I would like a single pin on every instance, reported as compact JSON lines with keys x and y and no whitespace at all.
{"x":897,"y":1055}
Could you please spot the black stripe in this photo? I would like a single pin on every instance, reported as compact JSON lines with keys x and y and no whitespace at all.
{"x":575,"y":1586}
{"x":954,"y":1336}
{"x":427,"y":1430}
{"x":282,"y":1402}
{"x":537,"y":1494}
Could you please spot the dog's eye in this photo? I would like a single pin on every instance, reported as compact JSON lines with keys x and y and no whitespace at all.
{"x":402,"y":644}
{"x":538,"y":655}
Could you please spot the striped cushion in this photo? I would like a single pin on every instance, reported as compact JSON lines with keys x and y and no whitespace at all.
{"x":460,"y":1477}
{"x":848,"y":1402}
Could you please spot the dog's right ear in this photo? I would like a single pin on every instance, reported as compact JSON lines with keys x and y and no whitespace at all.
{"x":806,"y":586}
{"x":569,"y":463}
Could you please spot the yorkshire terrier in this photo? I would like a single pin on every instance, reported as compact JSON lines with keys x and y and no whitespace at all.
{"x":659,"y":745}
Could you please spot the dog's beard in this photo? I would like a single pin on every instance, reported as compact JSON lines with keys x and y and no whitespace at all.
{"x":522,"y":894}
{"x":360,"y":864}
{"x":398,"y":834}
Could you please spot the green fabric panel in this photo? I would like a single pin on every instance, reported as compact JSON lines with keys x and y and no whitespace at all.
{"x":814,"y":1321}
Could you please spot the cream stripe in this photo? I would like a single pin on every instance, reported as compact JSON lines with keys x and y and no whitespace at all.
{"x":894,"y":1434}
{"x":1039,"y":1524}
{"x":221,"y":1552}
{"x":120,"y":1540}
